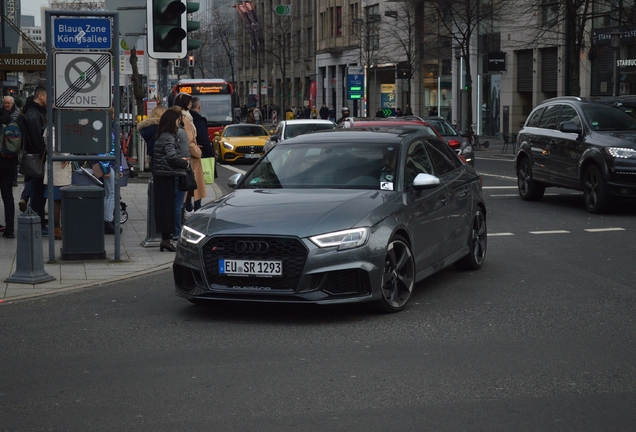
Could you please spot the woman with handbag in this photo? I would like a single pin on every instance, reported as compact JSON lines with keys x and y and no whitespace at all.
{"x":184,"y":101}
{"x":168,"y":165}
{"x":108,"y":179}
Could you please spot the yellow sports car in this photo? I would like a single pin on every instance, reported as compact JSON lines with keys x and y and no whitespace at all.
{"x":240,"y":141}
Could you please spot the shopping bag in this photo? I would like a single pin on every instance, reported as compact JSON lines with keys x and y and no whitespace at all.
{"x":208,"y":169}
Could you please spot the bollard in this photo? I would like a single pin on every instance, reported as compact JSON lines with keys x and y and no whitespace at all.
{"x":152,"y":237}
{"x":29,"y":268}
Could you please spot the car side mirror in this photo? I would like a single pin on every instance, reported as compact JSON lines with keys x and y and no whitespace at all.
{"x":274,"y":138}
{"x":234,"y":180}
{"x":425,"y":181}
{"x":570,"y":127}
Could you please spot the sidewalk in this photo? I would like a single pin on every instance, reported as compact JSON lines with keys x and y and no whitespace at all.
{"x":135,"y":259}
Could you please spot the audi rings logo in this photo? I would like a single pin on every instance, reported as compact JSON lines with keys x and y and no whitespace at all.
{"x":252,"y":246}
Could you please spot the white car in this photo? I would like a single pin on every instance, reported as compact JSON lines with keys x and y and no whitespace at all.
{"x":291,"y":128}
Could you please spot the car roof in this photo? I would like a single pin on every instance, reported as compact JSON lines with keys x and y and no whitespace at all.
{"x":307,"y":121}
{"x":350,"y":135}
{"x":393,"y":122}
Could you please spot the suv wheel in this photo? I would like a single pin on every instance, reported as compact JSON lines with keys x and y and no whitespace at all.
{"x":596,"y":200}
{"x":529,"y":188}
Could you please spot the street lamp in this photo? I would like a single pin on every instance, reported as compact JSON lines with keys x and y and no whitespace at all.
{"x":616,"y":45}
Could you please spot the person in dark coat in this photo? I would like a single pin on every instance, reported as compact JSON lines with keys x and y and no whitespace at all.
{"x":332,"y":113}
{"x":408,"y":111}
{"x":201,"y":125}
{"x":398,"y":112}
{"x":379,"y":113}
{"x":324,"y":112}
{"x":33,"y":125}
{"x":148,"y":129}
{"x":7,"y":174}
{"x":169,"y":163}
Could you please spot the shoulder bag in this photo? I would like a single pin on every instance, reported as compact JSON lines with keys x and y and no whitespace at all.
{"x":32,"y":165}
{"x":188,"y":182}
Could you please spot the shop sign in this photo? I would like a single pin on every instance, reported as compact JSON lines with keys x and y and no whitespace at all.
{"x":496,"y":61}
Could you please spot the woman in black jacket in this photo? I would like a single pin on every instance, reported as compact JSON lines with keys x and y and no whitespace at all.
{"x":168,"y":165}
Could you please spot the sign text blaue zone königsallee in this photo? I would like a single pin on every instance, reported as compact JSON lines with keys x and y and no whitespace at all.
{"x":82,"y":33}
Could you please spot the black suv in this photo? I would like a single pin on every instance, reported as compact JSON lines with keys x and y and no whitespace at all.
{"x":579,"y":144}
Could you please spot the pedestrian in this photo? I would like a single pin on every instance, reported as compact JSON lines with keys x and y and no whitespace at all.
{"x":250,"y":116}
{"x":184,"y":101}
{"x":398,"y":112}
{"x":379,"y":113}
{"x":433,"y":112}
{"x":148,"y":129}
{"x":345,"y":114}
{"x":9,"y":107}
{"x":243,"y":112}
{"x":314,"y":113}
{"x":237,"y":114}
{"x":289,"y":113}
{"x":324,"y":112}
{"x":258,"y":116}
{"x":307,"y":112}
{"x":408,"y":111}
{"x":201,"y":125}
{"x":332,"y":113}
{"x":168,"y":165}
{"x":32,"y":127}
{"x":62,"y":176}
{"x":109,"y":176}
{"x":7,"y":174}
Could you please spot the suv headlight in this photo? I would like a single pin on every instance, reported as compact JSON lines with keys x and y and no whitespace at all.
{"x":191,"y":236}
{"x":228,"y":146}
{"x":347,"y":239}
{"x":621,"y":153}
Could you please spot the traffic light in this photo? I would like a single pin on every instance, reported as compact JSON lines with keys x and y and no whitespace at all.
{"x":168,"y":28}
{"x":192,"y":26}
{"x":191,"y":61}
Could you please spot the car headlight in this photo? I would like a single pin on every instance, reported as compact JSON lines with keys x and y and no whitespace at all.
{"x":228,"y":146}
{"x":191,"y":236}
{"x":621,"y":153}
{"x":347,"y":239}
{"x":467,"y":150}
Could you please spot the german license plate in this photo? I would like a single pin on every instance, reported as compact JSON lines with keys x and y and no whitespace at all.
{"x":250,"y":268}
{"x":252,"y":155}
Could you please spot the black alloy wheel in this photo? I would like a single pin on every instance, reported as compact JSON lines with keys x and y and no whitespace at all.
{"x":477,"y":244}
{"x":398,"y":277}
{"x":594,"y":194}
{"x":529,"y":189}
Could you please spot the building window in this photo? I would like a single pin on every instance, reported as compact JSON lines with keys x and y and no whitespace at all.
{"x":339,"y":21}
{"x":549,"y":12}
{"x":309,"y":42}
{"x":299,"y":45}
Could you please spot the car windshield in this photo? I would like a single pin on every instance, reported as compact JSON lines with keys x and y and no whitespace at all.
{"x":444,"y":128}
{"x":607,"y":118}
{"x":325,"y":165}
{"x":293,"y":130}
{"x":244,"y":130}
{"x":426,"y":130}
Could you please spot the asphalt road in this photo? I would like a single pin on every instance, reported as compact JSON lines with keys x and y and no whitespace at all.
{"x":540,"y":339}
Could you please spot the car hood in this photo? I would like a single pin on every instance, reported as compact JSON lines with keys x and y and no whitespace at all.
{"x":622,"y":137}
{"x":244,"y":141}
{"x":292,"y":212}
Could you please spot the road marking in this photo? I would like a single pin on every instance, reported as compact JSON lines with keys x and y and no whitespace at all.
{"x":550,"y":232}
{"x":499,"y":187}
{"x":231,"y":168}
{"x":503,"y":195}
{"x":497,"y":176}
{"x":500,"y":234}
{"x":595,"y":230}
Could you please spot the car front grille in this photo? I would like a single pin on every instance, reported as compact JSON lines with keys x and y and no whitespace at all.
{"x":291,"y":251}
{"x":249,"y":149}
{"x":625,"y":177}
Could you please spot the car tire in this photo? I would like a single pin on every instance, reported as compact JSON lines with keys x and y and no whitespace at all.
{"x":529,"y":188}
{"x":594,"y":193}
{"x":398,"y":276}
{"x":477,"y":243}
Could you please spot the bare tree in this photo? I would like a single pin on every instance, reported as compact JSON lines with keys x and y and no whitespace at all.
{"x":277,"y":45}
{"x":462,"y":21}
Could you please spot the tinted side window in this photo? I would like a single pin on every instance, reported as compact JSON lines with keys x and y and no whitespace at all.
{"x":569,"y":114}
{"x":550,"y":117}
{"x":535,"y":117}
{"x":444,"y":158}
{"x":417,"y":161}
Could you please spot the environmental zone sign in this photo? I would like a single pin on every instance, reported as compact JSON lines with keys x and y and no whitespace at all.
{"x":82,"y":80}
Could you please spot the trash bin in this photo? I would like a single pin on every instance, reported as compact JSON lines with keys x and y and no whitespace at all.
{"x":82,"y":223}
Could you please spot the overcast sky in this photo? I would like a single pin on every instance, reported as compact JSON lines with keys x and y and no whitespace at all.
{"x":32,"y":7}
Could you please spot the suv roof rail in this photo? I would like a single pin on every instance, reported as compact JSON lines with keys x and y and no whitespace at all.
{"x":571,"y":98}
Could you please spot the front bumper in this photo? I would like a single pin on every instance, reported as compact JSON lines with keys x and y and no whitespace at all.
{"x":310,"y":274}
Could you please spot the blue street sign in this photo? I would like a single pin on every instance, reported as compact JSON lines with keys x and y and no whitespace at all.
{"x":82,"y":33}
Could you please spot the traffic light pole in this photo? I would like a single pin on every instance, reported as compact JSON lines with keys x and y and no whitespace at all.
{"x":163,"y":79}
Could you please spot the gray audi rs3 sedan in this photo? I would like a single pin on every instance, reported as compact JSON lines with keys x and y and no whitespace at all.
{"x":334,"y":217}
